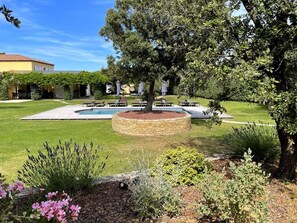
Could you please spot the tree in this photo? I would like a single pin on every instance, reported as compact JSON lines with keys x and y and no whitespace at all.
{"x":139,"y":37}
{"x":9,"y":18}
{"x":252,"y":42}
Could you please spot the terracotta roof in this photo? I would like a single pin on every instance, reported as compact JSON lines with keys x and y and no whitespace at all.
{"x":17,"y":57}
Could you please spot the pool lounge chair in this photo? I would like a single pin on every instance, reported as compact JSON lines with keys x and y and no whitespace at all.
{"x":122,"y":102}
{"x":139,"y":103}
{"x":163,"y":102}
{"x":99,"y":103}
{"x":188,"y":103}
{"x":89,"y":104}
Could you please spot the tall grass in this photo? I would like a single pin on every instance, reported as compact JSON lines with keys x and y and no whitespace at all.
{"x":262,"y":140}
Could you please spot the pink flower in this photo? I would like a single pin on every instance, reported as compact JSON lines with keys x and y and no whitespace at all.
{"x":57,"y":208}
{"x":35,"y":206}
{"x":17,"y":186}
{"x":50,"y":195}
{"x":3,"y":193}
{"x":41,"y":190}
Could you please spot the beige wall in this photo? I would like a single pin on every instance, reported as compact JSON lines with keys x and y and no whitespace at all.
{"x":146,"y":127}
{"x":16,"y":66}
{"x":24,"y":66}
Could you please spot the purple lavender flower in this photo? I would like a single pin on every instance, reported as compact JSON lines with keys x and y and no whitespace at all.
{"x":3,"y":193}
{"x":17,"y":186}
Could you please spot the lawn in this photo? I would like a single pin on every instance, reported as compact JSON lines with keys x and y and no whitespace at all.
{"x":16,"y":135}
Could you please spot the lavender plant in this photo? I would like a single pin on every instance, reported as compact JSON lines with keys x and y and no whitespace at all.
{"x":65,"y":167}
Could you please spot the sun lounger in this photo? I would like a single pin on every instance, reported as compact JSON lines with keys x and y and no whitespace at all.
{"x":139,"y":103}
{"x":188,"y":103}
{"x":163,"y":103}
{"x":118,"y":103}
{"x":99,"y":103}
{"x":89,"y":104}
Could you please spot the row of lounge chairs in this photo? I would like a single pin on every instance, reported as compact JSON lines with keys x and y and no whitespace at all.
{"x":122,"y":102}
{"x":188,"y":103}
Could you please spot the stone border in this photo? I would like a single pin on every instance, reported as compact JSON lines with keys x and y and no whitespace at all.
{"x":155,"y":127}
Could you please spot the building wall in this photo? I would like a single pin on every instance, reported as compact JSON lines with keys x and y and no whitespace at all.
{"x":41,"y":67}
{"x":15,"y":66}
{"x":24,"y":66}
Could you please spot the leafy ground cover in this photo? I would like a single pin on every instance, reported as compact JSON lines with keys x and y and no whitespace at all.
{"x":16,"y":135}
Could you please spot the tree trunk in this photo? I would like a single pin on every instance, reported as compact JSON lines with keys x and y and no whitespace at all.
{"x":151,"y":98}
{"x":288,"y":157}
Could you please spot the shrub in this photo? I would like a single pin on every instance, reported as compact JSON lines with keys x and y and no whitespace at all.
{"x":35,"y":94}
{"x":262,"y":140}
{"x":3,"y":90}
{"x":98,"y":95}
{"x":67,"y":94}
{"x":154,"y":196}
{"x":64,"y":167}
{"x":181,"y":166}
{"x":240,"y":199}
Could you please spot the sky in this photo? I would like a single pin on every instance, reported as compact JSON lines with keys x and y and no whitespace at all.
{"x":62,"y":32}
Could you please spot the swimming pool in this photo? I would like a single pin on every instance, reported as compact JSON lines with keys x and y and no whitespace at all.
{"x":111,"y":111}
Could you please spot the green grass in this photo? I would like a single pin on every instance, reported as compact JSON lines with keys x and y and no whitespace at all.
{"x":16,"y":135}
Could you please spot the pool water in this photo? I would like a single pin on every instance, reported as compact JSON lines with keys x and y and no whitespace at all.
{"x":111,"y":111}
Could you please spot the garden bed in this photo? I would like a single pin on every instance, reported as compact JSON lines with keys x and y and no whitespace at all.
{"x":106,"y":202}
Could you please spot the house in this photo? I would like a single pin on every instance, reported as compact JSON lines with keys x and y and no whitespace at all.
{"x":14,"y":66}
{"x":19,"y":63}
{"x":22,"y":64}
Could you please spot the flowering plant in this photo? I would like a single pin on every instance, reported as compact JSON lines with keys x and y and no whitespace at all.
{"x":8,"y":195}
{"x":57,"y":208}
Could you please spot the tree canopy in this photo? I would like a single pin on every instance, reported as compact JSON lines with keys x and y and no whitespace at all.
{"x":252,"y":42}
{"x":139,"y":38}
{"x":9,"y":18}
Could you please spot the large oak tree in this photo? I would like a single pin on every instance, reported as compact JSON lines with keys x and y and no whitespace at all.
{"x":253,"y":42}
{"x":146,"y":50}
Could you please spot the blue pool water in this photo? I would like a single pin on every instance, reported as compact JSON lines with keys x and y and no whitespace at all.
{"x":111,"y":111}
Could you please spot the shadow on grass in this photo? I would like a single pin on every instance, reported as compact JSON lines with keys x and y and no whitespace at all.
{"x":198,"y":122}
{"x":12,"y":107}
{"x":207,"y":146}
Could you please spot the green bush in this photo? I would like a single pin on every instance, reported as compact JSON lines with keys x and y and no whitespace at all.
{"x":98,"y":95}
{"x":241,"y":199}
{"x":35,"y":94}
{"x":65,"y":167}
{"x":154,"y":196}
{"x":67,"y":94}
{"x":262,"y":140}
{"x":181,"y":166}
{"x":3,"y":90}
{"x":214,"y":89}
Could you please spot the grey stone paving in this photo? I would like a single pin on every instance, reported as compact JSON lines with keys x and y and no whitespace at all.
{"x":68,"y":113}
{"x":15,"y":101}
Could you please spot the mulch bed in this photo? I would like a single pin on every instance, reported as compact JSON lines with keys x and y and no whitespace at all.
{"x":106,"y":202}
